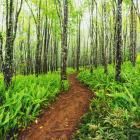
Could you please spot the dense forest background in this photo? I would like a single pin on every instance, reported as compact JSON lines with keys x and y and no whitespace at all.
{"x":32,"y":34}
{"x":42,"y":42}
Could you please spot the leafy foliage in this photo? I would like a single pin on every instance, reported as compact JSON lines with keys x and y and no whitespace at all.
{"x":24,"y":100}
{"x":115,"y":112}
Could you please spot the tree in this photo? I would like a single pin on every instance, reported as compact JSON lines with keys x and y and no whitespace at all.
{"x":91,"y":36}
{"x":64,"y":43}
{"x":114,"y":12}
{"x":1,"y":51}
{"x":29,"y":60}
{"x":46,"y":41}
{"x":119,"y":41}
{"x":104,"y":37}
{"x":37,"y":20}
{"x":78,"y":41}
{"x":11,"y":30}
{"x":133,"y":34}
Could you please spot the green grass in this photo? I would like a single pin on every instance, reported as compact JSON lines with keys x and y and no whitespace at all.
{"x":23,"y":101}
{"x":115,"y":112}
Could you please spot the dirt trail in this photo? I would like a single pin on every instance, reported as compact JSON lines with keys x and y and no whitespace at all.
{"x":59,"y":122}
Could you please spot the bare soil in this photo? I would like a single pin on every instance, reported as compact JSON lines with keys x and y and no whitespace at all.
{"x":60,"y":121}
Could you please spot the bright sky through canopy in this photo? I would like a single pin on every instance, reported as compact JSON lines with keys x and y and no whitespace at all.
{"x":78,"y":3}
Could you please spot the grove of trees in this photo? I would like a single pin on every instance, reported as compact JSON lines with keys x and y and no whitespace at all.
{"x":40,"y":36}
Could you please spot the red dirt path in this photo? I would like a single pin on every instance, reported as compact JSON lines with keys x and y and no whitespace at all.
{"x":60,"y":121}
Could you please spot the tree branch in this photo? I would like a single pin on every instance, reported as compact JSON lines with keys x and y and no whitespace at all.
{"x":31,"y":12}
{"x":16,"y":20}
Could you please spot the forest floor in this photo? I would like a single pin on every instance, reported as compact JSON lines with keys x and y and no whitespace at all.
{"x":60,"y":121}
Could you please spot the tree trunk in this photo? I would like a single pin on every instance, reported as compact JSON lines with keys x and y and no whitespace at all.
{"x":78,"y":44}
{"x":119,"y":41}
{"x":133,"y":34}
{"x":105,"y":39}
{"x":38,"y":47}
{"x":114,"y":33}
{"x":11,"y":29}
{"x":91,"y":39}
{"x":96,"y":40}
{"x":8,"y":65}
{"x":29,"y":61}
{"x":1,"y":51}
{"x":64,"y":44}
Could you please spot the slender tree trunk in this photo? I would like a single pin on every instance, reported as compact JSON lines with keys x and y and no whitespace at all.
{"x":96,"y":40}
{"x":37,"y":56}
{"x":91,"y":38}
{"x":38,"y":47}
{"x":119,"y":41}
{"x":110,"y":45}
{"x":64,"y":45}
{"x":46,"y":47}
{"x":8,"y":66}
{"x":52,"y":56}
{"x":125,"y":41}
{"x":78,"y":44}
{"x":11,"y":29}
{"x":114,"y":32}
{"x":56,"y":54}
{"x":73,"y":55}
{"x":1,"y":51}
{"x":105,"y":39}
{"x":133,"y":34}
{"x":21,"y":58}
{"x":29,"y":62}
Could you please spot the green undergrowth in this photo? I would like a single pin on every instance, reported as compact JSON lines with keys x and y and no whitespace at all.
{"x":71,"y":71}
{"x":23,"y":101}
{"x":114,"y":113}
